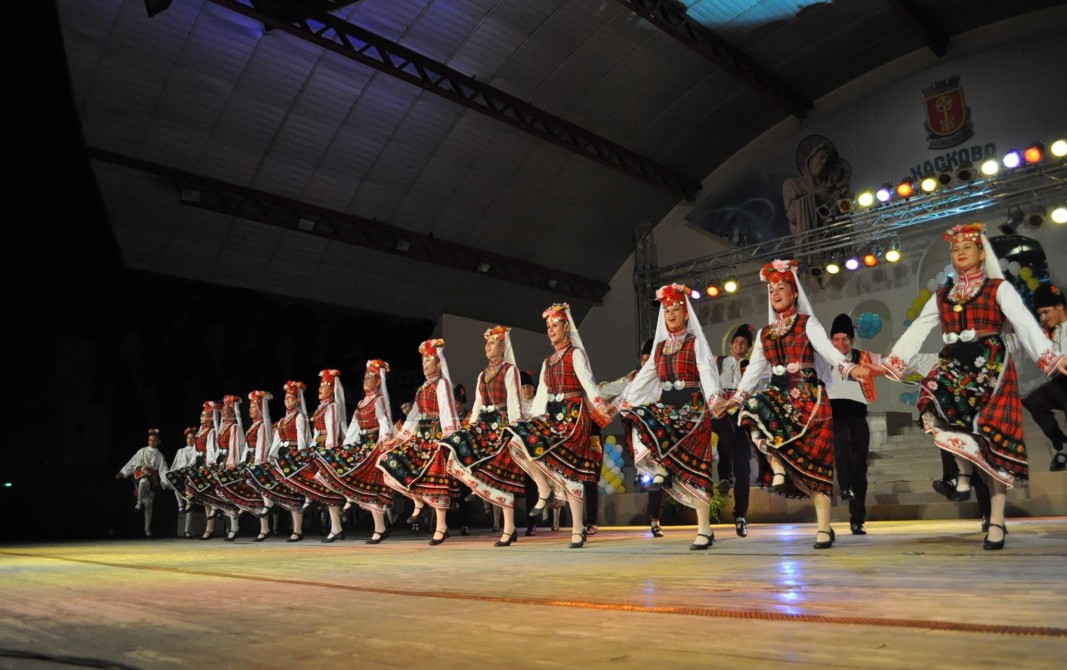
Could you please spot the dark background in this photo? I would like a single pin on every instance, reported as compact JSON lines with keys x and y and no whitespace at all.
{"x":96,"y":354}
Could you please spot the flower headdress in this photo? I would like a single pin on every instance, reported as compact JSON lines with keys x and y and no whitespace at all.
{"x":329,"y":376}
{"x":430,"y":347}
{"x":231,"y":401}
{"x":556,"y":313}
{"x":153,"y":432}
{"x":672,"y":294}
{"x":191,"y":430}
{"x":971,"y":232}
{"x":376,"y":365}
{"x":294,"y":388}
{"x":779,"y":271}
{"x":503,"y":333}
{"x":332,"y":378}
{"x":263,"y":437}
{"x":259,"y":396}
{"x":496,"y":332}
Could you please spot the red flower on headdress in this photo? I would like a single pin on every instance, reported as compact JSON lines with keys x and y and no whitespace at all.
{"x":430,"y":347}
{"x":376,"y":365}
{"x":672,"y":294}
{"x":328,"y":376}
{"x":778,"y":271}
{"x":191,"y":430}
{"x":210,"y":406}
{"x":258,"y":396}
{"x":966,"y":231}
{"x":231,"y":400}
{"x":153,"y":431}
{"x":557,"y":312}
{"x":496,"y":332}
{"x":294,"y":388}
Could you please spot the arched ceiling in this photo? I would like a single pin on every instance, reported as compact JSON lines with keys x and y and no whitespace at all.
{"x":414,"y":157}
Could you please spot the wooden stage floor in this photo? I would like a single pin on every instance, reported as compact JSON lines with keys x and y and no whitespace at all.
{"x":911,"y":594}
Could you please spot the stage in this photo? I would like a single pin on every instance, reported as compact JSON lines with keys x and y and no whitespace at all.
{"x":908,"y":594}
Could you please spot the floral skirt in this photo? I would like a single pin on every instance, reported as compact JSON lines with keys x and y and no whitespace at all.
{"x":675,"y":433}
{"x":482,"y":460}
{"x":233,"y":484}
{"x":201,"y":487}
{"x":973,"y":393}
{"x":419,"y":468}
{"x":557,"y":442}
{"x":274,"y":488}
{"x":353,"y":471}
{"x":795,"y":423}
{"x":300,"y":471}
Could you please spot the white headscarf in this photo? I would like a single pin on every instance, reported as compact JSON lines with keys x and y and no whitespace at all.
{"x":693,"y":326}
{"x":339,"y":402}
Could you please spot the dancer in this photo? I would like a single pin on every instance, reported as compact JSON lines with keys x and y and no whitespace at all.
{"x":201,"y":478}
{"x":415,"y":463}
{"x":480,"y":457}
{"x":1051,"y":308}
{"x":352,"y":468}
{"x":666,"y":410}
{"x":274,"y":478}
{"x":229,"y":476}
{"x":790,"y":420}
{"x":176,"y":476}
{"x":734,"y":447}
{"x":329,"y":426}
{"x":970,"y":401}
{"x":553,"y":446}
{"x":147,"y":466}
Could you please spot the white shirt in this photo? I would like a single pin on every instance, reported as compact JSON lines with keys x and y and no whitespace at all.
{"x":185,"y":457}
{"x":730,"y":377}
{"x":849,"y":389}
{"x":147,"y":457}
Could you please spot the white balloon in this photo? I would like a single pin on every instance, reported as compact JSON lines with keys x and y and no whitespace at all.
{"x":932,"y":285}
{"x":609,"y":489}
{"x":940,"y":277}
{"x":1014,"y":267}
{"x":1003,"y":262}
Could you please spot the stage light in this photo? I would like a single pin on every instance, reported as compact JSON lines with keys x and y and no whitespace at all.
{"x":852,"y":263}
{"x":946,"y":177}
{"x":1012,"y":159}
{"x":484,"y":266}
{"x":1015,"y":217}
{"x":885,"y":193}
{"x":928,"y":183}
{"x":712,"y":290}
{"x":870,"y":259}
{"x":990,"y":167}
{"x":966,"y":173}
{"x":865,"y":199}
{"x":731,"y":284}
{"x":906,"y":188}
{"x":893,"y":254}
{"x":695,"y":294}
{"x":1059,"y":214}
{"x":1058,"y":148}
{"x":1036,"y":217}
{"x":153,"y":7}
{"x":844,"y":205}
{"x":834,"y":266}
{"x":1035,"y":153}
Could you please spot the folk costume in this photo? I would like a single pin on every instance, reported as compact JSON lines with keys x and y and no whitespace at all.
{"x":352,"y":468}
{"x":276,"y":480}
{"x":230,"y":479}
{"x":970,"y":402}
{"x":328,"y":425}
{"x":176,"y":476}
{"x":414,"y":462}
{"x":553,"y":446}
{"x":790,"y":420}
{"x":148,"y":468}
{"x":480,"y":454}
{"x":200,"y":484}
{"x":667,"y":411}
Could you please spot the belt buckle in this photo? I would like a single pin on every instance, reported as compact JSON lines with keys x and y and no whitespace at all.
{"x":968,"y":335}
{"x":950,"y":338}
{"x":778,"y":370}
{"x":489,"y":408}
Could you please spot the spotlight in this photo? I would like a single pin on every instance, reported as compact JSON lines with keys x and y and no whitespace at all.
{"x":1012,"y":159}
{"x":834,"y":266}
{"x":885,"y":193}
{"x":946,"y":177}
{"x":844,"y":205}
{"x":928,"y":183}
{"x":1034,"y":153}
{"x":870,"y":259}
{"x":1059,"y":214}
{"x":1036,"y":217}
{"x":965,"y":173}
{"x":1058,"y":148}
{"x":852,"y":263}
{"x":731,"y":284}
{"x":712,"y":290}
{"x":153,"y":7}
{"x":990,"y":167}
{"x":1015,"y":217}
{"x":695,"y":294}
{"x":893,"y":254}
{"x":906,"y":188}
{"x":865,"y":199}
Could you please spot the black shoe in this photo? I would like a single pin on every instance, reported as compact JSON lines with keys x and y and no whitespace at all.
{"x":579,"y":544}
{"x":231,"y":536}
{"x":724,"y":485}
{"x":378,"y":540}
{"x":1059,"y":462}
{"x":464,"y":531}
{"x":847,"y":494}
{"x":538,"y":511}
{"x":206,"y":536}
{"x":514,"y":537}
{"x":985,"y":523}
{"x":261,"y":537}
{"x":434,"y":542}
{"x":741,"y":526}
{"x":703,"y":547}
{"x":295,"y":537}
{"x":858,"y":529}
{"x":827,"y":544}
{"x":775,"y":488}
{"x":660,"y":482}
{"x":944,"y":487}
{"x":189,"y":536}
{"x":333,"y":537}
{"x":960,"y":496}
{"x":530,"y":531}
{"x":994,"y":546}
{"x":414,"y":518}
{"x":656,"y":530}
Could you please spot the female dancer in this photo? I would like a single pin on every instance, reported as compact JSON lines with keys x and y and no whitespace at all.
{"x":666,"y":407}
{"x":553,"y":446}
{"x":790,"y":420}
{"x":414,"y":462}
{"x":201,"y":478}
{"x":301,"y":468}
{"x":352,"y":469}
{"x":970,"y":401}
{"x":480,"y":455}
{"x":234,"y":479}
{"x":290,"y":437}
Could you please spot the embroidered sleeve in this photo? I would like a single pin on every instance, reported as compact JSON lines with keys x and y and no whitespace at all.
{"x":1030,"y":334}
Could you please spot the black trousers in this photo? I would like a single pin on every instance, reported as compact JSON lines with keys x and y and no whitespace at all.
{"x":735,"y":446}
{"x":1042,"y":402}
{"x":655,"y":504}
{"x":852,"y":445}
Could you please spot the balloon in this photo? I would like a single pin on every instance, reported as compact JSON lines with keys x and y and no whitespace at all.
{"x":1033,"y":283}
{"x":1026,"y":273}
{"x":926,"y":293}
{"x":931,"y":285}
{"x":609,"y":489}
{"x":1003,"y":262}
{"x":907,"y":322}
{"x":941,"y":277}
{"x":948,"y":269}
{"x":1014,"y":267}
{"x":610,"y":439}
{"x":912,"y":313}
